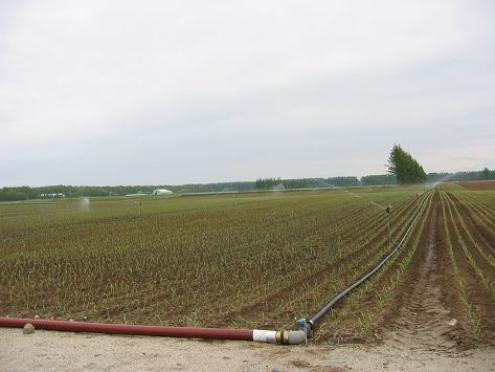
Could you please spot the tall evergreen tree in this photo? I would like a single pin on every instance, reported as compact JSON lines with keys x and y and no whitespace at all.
{"x":404,"y":167}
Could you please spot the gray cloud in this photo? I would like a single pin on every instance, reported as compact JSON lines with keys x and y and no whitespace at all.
{"x":170,"y":92}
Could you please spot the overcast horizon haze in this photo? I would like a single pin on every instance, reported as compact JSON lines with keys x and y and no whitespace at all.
{"x":174,"y":92}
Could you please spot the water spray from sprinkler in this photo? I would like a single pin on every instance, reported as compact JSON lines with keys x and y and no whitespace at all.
{"x":84,"y":205}
{"x":139,"y":206}
{"x":387,"y":209}
{"x":357,"y":196}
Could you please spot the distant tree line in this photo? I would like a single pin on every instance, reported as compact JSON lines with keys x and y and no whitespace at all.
{"x":483,"y":175}
{"x":378,"y":179}
{"x":303,"y":183}
{"x":26,"y":192}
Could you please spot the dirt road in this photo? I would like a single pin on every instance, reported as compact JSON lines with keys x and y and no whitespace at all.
{"x":57,"y":351}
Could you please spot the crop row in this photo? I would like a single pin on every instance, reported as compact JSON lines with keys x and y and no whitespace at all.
{"x":363,"y":310}
{"x":469,"y":243}
{"x":186,"y":263}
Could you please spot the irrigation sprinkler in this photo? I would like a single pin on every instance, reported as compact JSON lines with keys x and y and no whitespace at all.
{"x":359,"y":196}
{"x":308,"y":325}
{"x":388,"y":211}
{"x":305,"y":326}
{"x":373,"y":203}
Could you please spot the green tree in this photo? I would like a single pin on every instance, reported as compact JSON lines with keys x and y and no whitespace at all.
{"x":404,"y":167}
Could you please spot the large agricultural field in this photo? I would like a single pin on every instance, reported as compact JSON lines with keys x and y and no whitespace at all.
{"x":258,"y":260}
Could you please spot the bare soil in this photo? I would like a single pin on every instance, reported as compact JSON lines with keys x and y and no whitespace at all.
{"x":425,"y":322}
{"x":478,"y":185}
{"x":59,"y":351}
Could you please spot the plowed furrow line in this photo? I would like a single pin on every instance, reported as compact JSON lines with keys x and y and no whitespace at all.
{"x":475,"y":296}
{"x":480,"y":213}
{"x":482,"y":260}
{"x":476,"y":262}
{"x":317,"y":277}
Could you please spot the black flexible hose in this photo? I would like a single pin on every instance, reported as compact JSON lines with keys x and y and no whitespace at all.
{"x":315,"y":319}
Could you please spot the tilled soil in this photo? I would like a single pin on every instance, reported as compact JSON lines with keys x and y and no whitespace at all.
{"x":480,"y":298}
{"x":64,"y":351}
{"x":478,"y":185}
{"x":424,"y":322}
{"x":424,"y":328}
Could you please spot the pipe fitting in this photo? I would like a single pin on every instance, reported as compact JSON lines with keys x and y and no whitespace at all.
{"x":306,"y":326}
{"x":282,"y":337}
{"x":297,"y":337}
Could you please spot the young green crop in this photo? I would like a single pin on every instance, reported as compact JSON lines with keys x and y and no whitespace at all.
{"x":243,"y":260}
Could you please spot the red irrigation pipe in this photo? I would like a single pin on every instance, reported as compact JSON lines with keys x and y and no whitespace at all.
{"x":274,"y":337}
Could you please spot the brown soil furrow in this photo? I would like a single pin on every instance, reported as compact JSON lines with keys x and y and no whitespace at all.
{"x":471,"y":246}
{"x":422,"y":321}
{"x":346,"y":327}
{"x":266,"y":302}
{"x":482,"y":210}
{"x":478,"y":185}
{"x":478,"y":295}
{"x":475,"y":225}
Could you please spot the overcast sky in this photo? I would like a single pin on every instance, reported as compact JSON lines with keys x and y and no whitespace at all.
{"x":168,"y":92}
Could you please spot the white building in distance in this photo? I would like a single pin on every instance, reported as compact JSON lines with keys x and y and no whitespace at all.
{"x":162,"y":192}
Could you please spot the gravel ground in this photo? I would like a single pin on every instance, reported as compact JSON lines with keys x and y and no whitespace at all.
{"x":62,"y":351}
